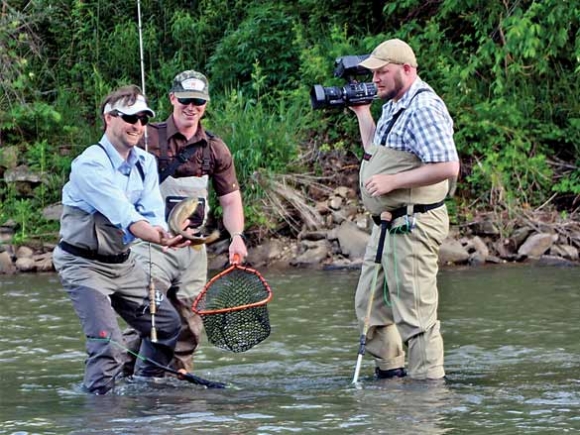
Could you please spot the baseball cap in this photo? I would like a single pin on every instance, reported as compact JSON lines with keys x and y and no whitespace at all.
{"x":190,"y":84}
{"x":391,"y":51}
{"x":140,"y":105}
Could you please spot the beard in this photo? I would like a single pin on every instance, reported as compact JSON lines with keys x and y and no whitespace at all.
{"x":397,"y":88}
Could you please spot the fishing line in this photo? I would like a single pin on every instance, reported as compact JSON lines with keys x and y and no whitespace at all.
{"x":181,"y":374}
{"x":141,"y":48}
{"x":151,"y":287}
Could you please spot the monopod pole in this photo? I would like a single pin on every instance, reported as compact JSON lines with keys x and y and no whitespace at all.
{"x":385,"y":219}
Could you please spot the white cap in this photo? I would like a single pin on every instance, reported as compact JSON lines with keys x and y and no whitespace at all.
{"x":140,"y":105}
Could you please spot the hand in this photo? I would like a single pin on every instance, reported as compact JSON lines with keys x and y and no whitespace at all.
{"x":361,"y":109}
{"x":237,"y":251}
{"x":176,"y":242}
{"x":380,"y":184}
{"x":168,"y":241}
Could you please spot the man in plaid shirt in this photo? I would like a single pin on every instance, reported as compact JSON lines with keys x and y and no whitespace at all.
{"x":409,"y":160}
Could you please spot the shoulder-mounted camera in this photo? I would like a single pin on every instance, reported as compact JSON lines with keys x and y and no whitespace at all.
{"x":353,"y":94}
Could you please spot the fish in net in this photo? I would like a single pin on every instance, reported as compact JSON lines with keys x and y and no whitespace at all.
{"x":233,"y":308}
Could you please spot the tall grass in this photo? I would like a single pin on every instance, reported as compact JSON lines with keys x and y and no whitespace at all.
{"x":264,"y":136}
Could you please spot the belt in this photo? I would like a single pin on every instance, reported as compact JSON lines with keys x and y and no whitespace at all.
{"x":409,"y":210}
{"x":93,"y":255}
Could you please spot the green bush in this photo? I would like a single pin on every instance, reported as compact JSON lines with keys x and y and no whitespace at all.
{"x":506,"y":70}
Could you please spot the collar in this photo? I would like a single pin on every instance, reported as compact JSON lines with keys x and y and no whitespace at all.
{"x":405,"y":101}
{"x":114,"y":156}
{"x":200,"y":134}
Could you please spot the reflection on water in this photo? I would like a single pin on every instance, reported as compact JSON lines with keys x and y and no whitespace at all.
{"x":512,"y":359}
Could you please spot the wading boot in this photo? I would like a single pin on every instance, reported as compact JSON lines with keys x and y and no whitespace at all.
{"x":388,"y":374}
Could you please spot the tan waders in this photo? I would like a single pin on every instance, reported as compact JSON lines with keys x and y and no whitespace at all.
{"x":180,"y":275}
{"x":405,"y":302}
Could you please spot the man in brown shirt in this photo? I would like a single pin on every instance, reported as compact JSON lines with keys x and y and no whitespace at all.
{"x":188,"y":157}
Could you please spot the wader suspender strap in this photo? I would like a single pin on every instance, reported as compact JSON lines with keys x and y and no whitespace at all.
{"x":408,"y":209}
{"x":163,"y":157}
{"x":396,"y":116}
{"x":181,"y":158}
{"x":138,"y":164}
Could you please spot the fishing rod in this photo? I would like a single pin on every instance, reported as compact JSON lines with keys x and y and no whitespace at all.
{"x":181,"y":373}
{"x":141,"y":58}
{"x":152,"y":292}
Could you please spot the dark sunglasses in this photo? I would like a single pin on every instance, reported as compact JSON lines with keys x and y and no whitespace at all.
{"x":131,"y":119}
{"x":194,"y":101}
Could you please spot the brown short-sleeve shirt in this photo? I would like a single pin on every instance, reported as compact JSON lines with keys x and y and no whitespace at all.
{"x":221,"y":169}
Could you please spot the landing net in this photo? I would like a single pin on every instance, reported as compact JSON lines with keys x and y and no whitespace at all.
{"x":233,"y":307}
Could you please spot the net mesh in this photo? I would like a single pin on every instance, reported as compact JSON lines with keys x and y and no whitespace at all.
{"x":233,"y":309}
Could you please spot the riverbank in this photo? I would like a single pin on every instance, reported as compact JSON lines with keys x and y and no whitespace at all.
{"x":543,"y":237}
{"x":332,"y":230}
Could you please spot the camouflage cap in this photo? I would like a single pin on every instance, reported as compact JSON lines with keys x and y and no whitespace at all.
{"x":190,"y":84}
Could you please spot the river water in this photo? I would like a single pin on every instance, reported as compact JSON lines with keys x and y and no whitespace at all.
{"x":512,"y":356}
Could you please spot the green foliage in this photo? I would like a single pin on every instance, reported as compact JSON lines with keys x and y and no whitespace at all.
{"x":263,"y":136}
{"x":18,"y":46}
{"x":333,"y":130}
{"x":500,"y":153}
{"x":264,"y":37}
{"x":506,"y":70}
{"x":26,"y":122}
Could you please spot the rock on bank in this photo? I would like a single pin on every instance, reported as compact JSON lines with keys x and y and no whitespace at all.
{"x":336,"y":230}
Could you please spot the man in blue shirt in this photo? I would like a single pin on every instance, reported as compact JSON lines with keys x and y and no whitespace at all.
{"x":409,"y":158}
{"x":111,"y":199}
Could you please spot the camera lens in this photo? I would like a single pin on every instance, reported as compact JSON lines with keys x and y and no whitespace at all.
{"x":331,"y":96}
{"x":317,"y":97}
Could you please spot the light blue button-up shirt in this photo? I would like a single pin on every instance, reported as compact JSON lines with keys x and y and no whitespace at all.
{"x":105,"y":182}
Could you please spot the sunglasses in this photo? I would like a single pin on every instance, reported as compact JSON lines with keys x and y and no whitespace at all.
{"x":194,"y":101}
{"x":131,"y":119}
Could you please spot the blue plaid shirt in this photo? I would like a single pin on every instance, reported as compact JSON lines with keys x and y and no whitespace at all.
{"x":425,"y":128}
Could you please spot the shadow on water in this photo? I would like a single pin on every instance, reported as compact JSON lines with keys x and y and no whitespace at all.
{"x":512,"y":360}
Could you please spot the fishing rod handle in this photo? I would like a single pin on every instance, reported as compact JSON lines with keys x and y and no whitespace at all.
{"x":153,"y":311}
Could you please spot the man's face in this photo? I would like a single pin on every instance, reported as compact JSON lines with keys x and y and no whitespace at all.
{"x":389,"y":81}
{"x":125,"y":131}
{"x":187,"y":112}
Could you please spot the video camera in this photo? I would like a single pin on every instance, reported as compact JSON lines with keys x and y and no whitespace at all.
{"x":353,"y":94}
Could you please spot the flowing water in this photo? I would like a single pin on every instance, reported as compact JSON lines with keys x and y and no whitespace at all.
{"x":511,"y":347}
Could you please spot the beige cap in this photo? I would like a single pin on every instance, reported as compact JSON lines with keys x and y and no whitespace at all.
{"x":391,"y":51}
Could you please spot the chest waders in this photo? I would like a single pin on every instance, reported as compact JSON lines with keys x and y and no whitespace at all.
{"x":181,"y":274}
{"x":93,"y":236}
{"x":404,"y":203}
{"x":384,"y":224}
{"x":409,"y":260}
{"x":176,"y":189}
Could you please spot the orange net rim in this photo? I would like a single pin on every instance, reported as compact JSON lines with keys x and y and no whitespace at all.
{"x":232,"y":309}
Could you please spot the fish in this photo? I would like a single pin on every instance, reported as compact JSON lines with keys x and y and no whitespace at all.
{"x":176,"y":221}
